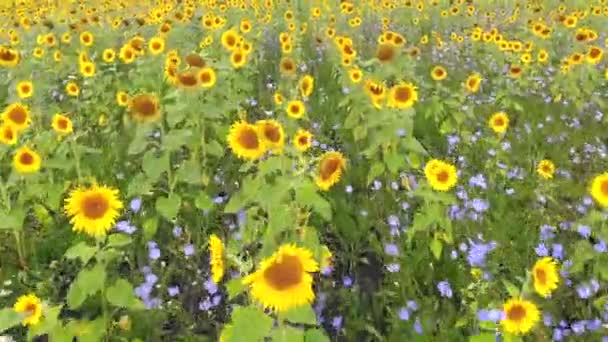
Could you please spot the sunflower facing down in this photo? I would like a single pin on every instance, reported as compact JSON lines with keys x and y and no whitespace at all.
{"x":31,"y":305}
{"x":272,"y":134}
{"x":26,"y":160}
{"x":216,"y":259}
{"x":440,"y":175}
{"x":545,"y":276}
{"x":93,"y":210}
{"x":599,"y":189}
{"x":330,"y":169}
{"x":145,"y":108}
{"x":245,"y":141}
{"x":283,"y":280}
{"x":520,"y":316}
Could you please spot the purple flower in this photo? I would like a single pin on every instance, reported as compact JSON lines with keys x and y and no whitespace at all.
{"x":393,"y":221}
{"x":541,"y":250}
{"x":393,"y":267}
{"x":558,"y":251}
{"x":412,"y":305}
{"x":125,"y":227}
{"x":479,"y":205}
{"x":177,"y":231}
{"x":478,"y":181}
{"x":188,"y":250}
{"x":583,"y":291}
{"x":547,"y":319}
{"x":151,"y":279}
{"x":348,"y":189}
{"x":600,"y":246}
{"x":391,"y":249}
{"x":205,"y":305}
{"x":578,"y":327}
{"x":154,"y":253}
{"x":347,"y":281}
{"x":546,"y":232}
{"x":210,"y":286}
{"x":404,"y":315}
{"x":173,"y":291}
{"x":584,"y":231}
{"x":477,"y":253}
{"x":558,"y":334}
{"x":418,"y":327}
{"x":336,"y":322}
{"x":444,"y":289}
{"x":490,"y":315}
{"x":135,"y":205}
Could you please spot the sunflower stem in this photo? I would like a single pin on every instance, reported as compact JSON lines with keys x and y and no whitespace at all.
{"x":20,"y":250}
{"x":77,"y":158}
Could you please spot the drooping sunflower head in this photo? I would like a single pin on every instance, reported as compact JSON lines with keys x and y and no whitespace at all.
{"x":295,"y":109}
{"x":62,"y":124}
{"x":287,"y":66}
{"x":187,"y":79}
{"x":440,"y":175}
{"x":145,"y":108}
{"x":302,"y":141}
{"x":216,"y":260}
{"x":545,"y":275}
{"x":546,"y":169}
{"x":439,"y":73}
{"x":9,"y":57}
{"x":26,"y":160}
{"x":31,"y":306}
{"x":499,"y":122}
{"x":386,"y":52}
{"x":599,"y":189}
{"x":246,"y":141}
{"x":25,"y":89}
{"x":17,"y":115}
{"x":8,"y":134}
{"x":520,"y":316}
{"x":93,"y":210}
{"x":283,"y":280}
{"x":272,"y":134}
{"x":330,"y":169}
{"x":403,"y":95}
{"x":306,"y":85}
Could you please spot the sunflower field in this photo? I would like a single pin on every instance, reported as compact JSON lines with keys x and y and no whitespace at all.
{"x":303,"y":170}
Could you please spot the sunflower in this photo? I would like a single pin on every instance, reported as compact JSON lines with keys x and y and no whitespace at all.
{"x":93,"y":210}
{"x":302,"y":141}
{"x":330,"y":169}
{"x":355,"y":75}
{"x":278,"y":98}
{"x":145,"y":108}
{"x":295,"y":109}
{"x":238,"y":59}
{"x":515,"y":71}
{"x":17,"y":115}
{"x":122,"y":98}
{"x":62,"y":124}
{"x":108,"y":55}
{"x":283,"y":280}
{"x":87,"y":69}
{"x":402,"y":95}
{"x":25,"y":89}
{"x":440,"y":175}
{"x":520,"y":316}
{"x":594,"y":55}
{"x":386,"y":52}
{"x":229,"y":39}
{"x":306,"y":85}
{"x":439,"y":73}
{"x":546,"y":169}
{"x":472,"y":83}
{"x":86,"y":38}
{"x":31,"y":305}
{"x":206,"y":77}
{"x":545,"y":276}
{"x":156,"y":45}
{"x":57,"y":56}
{"x":72,"y":89}
{"x":599,"y":189}
{"x":499,"y":122}
{"x":127,"y":54}
{"x":377,"y":92}
{"x":287,"y":66}
{"x":245,"y":140}
{"x":9,"y":57}
{"x":216,"y":259}
{"x":187,"y":79}
{"x":194,"y":60}
{"x":8,"y":134}
{"x":26,"y":160}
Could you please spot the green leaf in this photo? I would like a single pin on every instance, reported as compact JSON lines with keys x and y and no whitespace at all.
{"x":214,"y":148}
{"x":82,"y":251}
{"x":511,"y":288}
{"x":307,"y":195}
{"x":394,"y":161}
{"x":484,"y":337}
{"x":315,"y":335}
{"x":436,"y":247}
{"x":189,"y":172}
{"x":154,"y":166}
{"x":250,"y":323}
{"x":235,"y":287}
{"x":12,"y":220}
{"x":150,"y":227}
{"x":287,"y":334}
{"x":9,"y":318}
{"x":203,"y":201}
{"x":139,"y":185}
{"x":279,"y":219}
{"x":168,"y":207}
{"x":140,"y":140}
{"x":121,"y":294}
{"x":118,"y":240}
{"x":87,"y":282}
{"x":303,"y":314}
{"x":176,"y":138}
{"x":375,"y":170}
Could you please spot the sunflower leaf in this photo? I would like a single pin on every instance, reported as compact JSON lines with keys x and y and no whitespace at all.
{"x":303,"y":314}
{"x":315,"y":335}
{"x":251,"y":324}
{"x":121,"y":294}
{"x":287,"y":334}
{"x":9,"y":318}
{"x":82,"y":251}
{"x":168,"y":207}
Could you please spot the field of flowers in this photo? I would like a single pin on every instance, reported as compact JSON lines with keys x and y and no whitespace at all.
{"x":304,"y":170}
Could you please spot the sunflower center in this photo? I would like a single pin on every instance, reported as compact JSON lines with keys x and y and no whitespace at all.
{"x":8,"y":134}
{"x":541,"y":276}
{"x":95,"y":206}
{"x":439,"y":72}
{"x":516,"y":313}
{"x":25,"y":89}
{"x":145,"y":106}
{"x":594,"y":53}
{"x":7,"y":55}
{"x":329,"y":167}
{"x":31,"y":308}
{"x":303,"y":140}
{"x":499,"y":122}
{"x":205,"y":77}
{"x":156,"y":46}
{"x":272,"y":133}
{"x":230,"y":40}
{"x":294,"y":108}
{"x":284,"y":273}
{"x":442,"y":176}
{"x":238,"y":57}
{"x":604,"y":187}
{"x":248,"y":139}
{"x":385,"y":52}
{"x":403,"y":94}
{"x":187,"y":79}
{"x":18,"y":115}
{"x":62,"y":123}
{"x":26,"y":158}
{"x":472,"y":83}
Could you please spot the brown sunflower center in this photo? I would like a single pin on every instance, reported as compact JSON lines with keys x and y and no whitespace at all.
{"x":594,"y":53}
{"x":187,"y":79}
{"x":288,"y":65}
{"x":604,"y":187}
{"x":284,"y":273}
{"x":7,"y":55}
{"x":385,"y":52}
{"x":294,"y":109}
{"x":472,"y":83}
{"x":8,"y":134}
{"x":205,"y":77}
{"x":303,"y":140}
{"x":443,"y":176}
{"x":439,"y":72}
{"x":403,"y":94}
{"x":516,"y":313}
{"x":144,"y":106}
{"x":26,"y":158}
{"x":26,"y":89}
{"x":156,"y":46}
{"x":62,"y":123}
{"x":195,"y":60}
{"x":499,"y":122}
{"x":272,"y":133}
{"x":329,"y":167}
{"x":31,"y":308}
{"x":95,"y":206}
{"x":541,"y":276}
{"x":238,"y":57}
{"x":230,"y":40}
{"x":18,"y":115}
{"x":248,"y":139}
{"x":86,"y":39}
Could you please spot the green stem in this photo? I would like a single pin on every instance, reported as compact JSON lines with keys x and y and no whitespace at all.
{"x":20,"y":249}
{"x":77,"y":158}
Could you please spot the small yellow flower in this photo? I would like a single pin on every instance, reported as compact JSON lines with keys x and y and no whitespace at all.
{"x":25,"y":89}
{"x":499,"y":122}
{"x":546,"y":169}
{"x":62,"y":124}
{"x":32,"y":306}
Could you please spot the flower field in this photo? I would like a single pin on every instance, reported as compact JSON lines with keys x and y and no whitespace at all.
{"x":304,"y":170}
